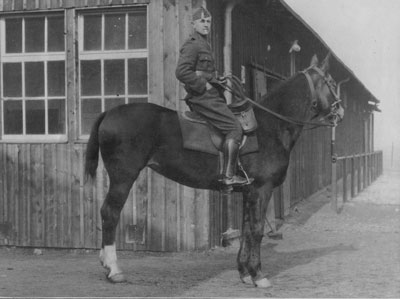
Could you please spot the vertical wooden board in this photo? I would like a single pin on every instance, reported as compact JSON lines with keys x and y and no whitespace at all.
{"x":60,"y":193}
{"x":202,"y":219}
{"x":184,"y":30}
{"x":67,"y":223}
{"x":22,"y":195}
{"x":75,"y":218}
{"x":186,"y":206}
{"x":36,"y":195}
{"x":170,"y":41}
{"x":100,"y":196}
{"x":88,"y":205}
{"x":171,"y":216}
{"x":211,"y":212}
{"x":27,"y":194}
{"x":171,"y":38}
{"x":13,"y":201}
{"x":156,"y":53}
{"x":2,"y":186}
{"x":47,"y":196}
{"x":72,"y":90}
{"x":141,"y":206}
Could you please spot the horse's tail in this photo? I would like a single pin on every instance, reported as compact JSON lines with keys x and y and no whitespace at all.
{"x":92,"y":149}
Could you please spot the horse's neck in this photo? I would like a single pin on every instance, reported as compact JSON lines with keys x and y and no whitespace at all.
{"x":289,"y":100}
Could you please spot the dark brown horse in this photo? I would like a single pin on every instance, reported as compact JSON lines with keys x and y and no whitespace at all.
{"x":134,"y":136}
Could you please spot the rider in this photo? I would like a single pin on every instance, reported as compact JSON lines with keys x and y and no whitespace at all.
{"x":196,"y":69}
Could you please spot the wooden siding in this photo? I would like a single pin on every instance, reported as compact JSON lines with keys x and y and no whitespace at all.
{"x":45,"y":200}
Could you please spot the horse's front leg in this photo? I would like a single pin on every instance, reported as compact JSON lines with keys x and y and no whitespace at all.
{"x":255,"y":204}
{"x":110,"y":214}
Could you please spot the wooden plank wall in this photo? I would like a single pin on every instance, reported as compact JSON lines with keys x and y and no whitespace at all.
{"x":44,"y":199}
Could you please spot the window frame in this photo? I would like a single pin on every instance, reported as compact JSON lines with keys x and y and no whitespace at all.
{"x":22,"y":58}
{"x":103,"y":55}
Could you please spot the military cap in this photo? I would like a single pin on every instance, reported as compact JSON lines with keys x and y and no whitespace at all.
{"x":199,"y":13}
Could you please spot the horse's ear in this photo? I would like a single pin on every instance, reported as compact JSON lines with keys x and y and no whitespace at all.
{"x":314,"y":60}
{"x":325,"y":63}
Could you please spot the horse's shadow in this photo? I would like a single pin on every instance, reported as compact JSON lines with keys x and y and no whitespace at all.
{"x":201,"y":267}
{"x":278,"y":262}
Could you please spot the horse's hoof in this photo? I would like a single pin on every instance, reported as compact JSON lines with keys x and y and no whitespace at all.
{"x":262,"y":283}
{"x":117,"y":278}
{"x":246,"y":279}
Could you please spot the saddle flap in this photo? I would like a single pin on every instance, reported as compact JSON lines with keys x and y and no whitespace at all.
{"x":199,"y":136}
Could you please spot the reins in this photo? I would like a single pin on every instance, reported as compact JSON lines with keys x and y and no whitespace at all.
{"x":237,"y":90}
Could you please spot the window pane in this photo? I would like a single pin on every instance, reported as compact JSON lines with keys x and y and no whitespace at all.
{"x":12,"y":79}
{"x":35,"y":122}
{"x":137,"y":100}
{"x":114,"y":79}
{"x":13,"y":35}
{"x":111,"y":103}
{"x":114,"y":32}
{"x":34,"y":34}
{"x":92,"y":33}
{"x":34,"y":79}
{"x":12,"y":117}
{"x":137,"y":25}
{"x":90,"y":77}
{"x":137,"y":76}
{"x":90,"y":109}
{"x":55,"y":32}
{"x":56,"y":78}
{"x":56,"y":116}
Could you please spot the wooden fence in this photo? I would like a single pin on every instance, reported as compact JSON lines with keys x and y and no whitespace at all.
{"x":354,"y":173}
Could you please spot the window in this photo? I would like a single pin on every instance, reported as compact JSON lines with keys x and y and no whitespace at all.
{"x":113,"y":59}
{"x":33,"y":93}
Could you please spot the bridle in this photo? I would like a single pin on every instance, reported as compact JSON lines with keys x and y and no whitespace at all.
{"x":333,"y":116}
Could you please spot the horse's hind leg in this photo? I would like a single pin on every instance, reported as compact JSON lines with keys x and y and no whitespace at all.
{"x":120,"y":186}
{"x":255,"y":204}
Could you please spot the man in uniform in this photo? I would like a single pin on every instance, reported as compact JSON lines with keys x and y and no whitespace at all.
{"x":196,"y":70}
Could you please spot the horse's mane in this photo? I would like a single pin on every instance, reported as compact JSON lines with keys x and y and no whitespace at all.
{"x":277,"y":90}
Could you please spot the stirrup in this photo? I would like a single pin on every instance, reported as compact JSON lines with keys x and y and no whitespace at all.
{"x":236,"y":181}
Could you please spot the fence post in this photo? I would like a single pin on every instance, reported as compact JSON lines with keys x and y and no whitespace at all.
{"x":353,"y":193}
{"x":344,"y":179}
{"x":358,"y":174}
{"x":334,"y":176}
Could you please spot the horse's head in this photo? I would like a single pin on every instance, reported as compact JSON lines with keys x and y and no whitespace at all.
{"x":325,"y":101}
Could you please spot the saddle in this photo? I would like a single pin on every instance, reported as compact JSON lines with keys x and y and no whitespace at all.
{"x":200,"y":136}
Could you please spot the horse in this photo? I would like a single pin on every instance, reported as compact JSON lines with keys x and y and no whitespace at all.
{"x":134,"y":136}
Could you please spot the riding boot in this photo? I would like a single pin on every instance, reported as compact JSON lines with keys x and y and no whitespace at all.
{"x":231,"y":154}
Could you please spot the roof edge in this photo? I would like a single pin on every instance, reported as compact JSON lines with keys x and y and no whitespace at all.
{"x":298,"y":17}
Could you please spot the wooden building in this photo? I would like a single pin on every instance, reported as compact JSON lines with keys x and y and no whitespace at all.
{"x":65,"y":61}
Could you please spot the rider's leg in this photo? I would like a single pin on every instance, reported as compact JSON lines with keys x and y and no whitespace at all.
{"x":231,"y":154}
{"x":217,"y":113}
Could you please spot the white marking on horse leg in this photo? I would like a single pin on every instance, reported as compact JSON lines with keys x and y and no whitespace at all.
{"x":108,"y":258}
{"x":246,"y":279}
{"x":263,"y":283}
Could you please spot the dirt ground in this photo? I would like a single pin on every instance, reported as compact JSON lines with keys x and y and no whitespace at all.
{"x":355,"y":253}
